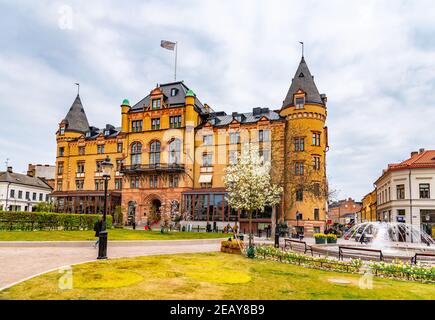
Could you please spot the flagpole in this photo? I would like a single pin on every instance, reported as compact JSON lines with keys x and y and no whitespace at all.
{"x":175,"y":73}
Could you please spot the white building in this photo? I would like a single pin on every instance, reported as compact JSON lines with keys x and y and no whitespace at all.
{"x":20,"y":192}
{"x":406,"y":192}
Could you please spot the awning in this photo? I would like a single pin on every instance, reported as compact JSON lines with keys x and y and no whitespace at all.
{"x":205,"y":178}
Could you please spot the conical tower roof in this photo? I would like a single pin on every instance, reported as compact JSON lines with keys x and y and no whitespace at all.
{"x":76,"y":117}
{"x":303,"y":80}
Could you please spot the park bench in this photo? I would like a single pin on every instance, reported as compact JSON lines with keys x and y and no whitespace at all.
{"x":341,"y":248}
{"x":414,"y":258}
{"x":288,"y":242}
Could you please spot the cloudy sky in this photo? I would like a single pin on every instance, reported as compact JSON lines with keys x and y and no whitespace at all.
{"x":375,"y":60}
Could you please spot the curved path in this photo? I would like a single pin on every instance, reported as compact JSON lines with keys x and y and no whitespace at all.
{"x":22,"y":260}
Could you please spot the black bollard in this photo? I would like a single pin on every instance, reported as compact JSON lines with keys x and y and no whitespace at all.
{"x":102,"y":245}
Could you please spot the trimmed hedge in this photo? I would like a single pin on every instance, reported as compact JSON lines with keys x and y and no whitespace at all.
{"x":29,"y":221}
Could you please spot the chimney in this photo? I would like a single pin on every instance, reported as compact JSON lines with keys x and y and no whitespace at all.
{"x":10,"y":169}
{"x":414,"y":153}
{"x":421,"y":150}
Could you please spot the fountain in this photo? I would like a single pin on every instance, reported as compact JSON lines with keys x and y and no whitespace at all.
{"x":389,"y":235}
{"x":394,"y":240}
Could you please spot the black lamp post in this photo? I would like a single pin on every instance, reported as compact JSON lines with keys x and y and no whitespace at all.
{"x":277,"y":230}
{"x":106,"y":168}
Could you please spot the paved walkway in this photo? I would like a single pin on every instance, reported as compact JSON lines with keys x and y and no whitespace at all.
{"x":21,"y":260}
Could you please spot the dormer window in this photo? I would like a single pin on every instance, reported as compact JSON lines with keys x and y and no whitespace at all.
{"x":156,"y":104}
{"x":88,"y":134}
{"x":300,"y":102}
{"x":62,"y":131}
{"x":174,"y":92}
{"x":106,"y":133}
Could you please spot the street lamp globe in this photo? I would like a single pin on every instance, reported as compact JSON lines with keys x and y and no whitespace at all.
{"x":106,"y":167}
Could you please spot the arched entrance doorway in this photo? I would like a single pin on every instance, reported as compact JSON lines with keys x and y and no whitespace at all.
{"x":155,"y":206}
{"x":131,"y":217}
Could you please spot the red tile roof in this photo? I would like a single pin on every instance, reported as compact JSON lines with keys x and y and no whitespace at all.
{"x":425,"y":159}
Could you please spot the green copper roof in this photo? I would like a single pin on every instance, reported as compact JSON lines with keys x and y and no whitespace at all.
{"x":190,"y":93}
{"x":125,"y":102}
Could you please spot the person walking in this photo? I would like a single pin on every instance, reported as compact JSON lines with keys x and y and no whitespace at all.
{"x":98,"y":226}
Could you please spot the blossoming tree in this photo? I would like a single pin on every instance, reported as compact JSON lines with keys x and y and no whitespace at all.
{"x":249,"y":185}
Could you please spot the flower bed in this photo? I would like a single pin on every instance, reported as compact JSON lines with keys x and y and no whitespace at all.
{"x":231,"y":246}
{"x":401,"y":270}
{"x":272,"y":253}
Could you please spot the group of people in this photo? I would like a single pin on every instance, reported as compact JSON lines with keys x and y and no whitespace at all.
{"x":228,"y":228}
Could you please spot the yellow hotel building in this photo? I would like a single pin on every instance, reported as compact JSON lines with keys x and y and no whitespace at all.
{"x":171,"y":151}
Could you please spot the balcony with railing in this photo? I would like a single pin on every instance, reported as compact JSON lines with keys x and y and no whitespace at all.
{"x":153,"y":168}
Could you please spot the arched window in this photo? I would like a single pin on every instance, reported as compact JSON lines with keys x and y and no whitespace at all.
{"x":155,"y":153}
{"x":174,"y":151}
{"x":136,"y":153}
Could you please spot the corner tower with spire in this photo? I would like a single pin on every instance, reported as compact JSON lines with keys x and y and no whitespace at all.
{"x":306,"y":144}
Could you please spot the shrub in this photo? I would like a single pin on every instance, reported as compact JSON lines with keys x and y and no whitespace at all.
{"x":29,"y":221}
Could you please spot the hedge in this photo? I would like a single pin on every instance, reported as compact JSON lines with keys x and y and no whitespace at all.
{"x":29,"y":221}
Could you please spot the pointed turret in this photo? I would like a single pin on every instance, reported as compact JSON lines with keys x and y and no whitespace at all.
{"x":303,"y":80}
{"x":76,"y":119}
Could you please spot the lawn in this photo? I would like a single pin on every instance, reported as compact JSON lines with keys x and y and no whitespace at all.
{"x":209,"y":276}
{"x":114,"y":234}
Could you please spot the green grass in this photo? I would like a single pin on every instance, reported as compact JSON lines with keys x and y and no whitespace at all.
{"x":114,"y":234}
{"x":209,"y":276}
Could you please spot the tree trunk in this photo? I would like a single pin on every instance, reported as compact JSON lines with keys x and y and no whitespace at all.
{"x":250,"y":228}
{"x":274,"y":220}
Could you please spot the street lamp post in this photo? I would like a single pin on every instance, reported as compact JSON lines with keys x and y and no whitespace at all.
{"x":106,"y":167}
{"x":277,"y":230}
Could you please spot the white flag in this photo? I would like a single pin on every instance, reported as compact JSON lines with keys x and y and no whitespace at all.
{"x":168,"y":45}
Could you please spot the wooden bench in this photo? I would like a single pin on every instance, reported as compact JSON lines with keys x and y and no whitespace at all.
{"x":288,"y":242}
{"x":414,"y":258}
{"x":341,"y":248}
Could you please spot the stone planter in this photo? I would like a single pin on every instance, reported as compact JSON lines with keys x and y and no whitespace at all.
{"x":331,"y":240}
{"x":231,"y":250}
{"x":320,"y":240}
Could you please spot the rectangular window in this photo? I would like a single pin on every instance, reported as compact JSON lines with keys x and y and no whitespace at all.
{"x":175,"y":121}
{"x":118,"y":165}
{"x":401,"y":212}
{"x":27,"y":195}
{"x":299,"y":144}
{"x":207,"y":159}
{"x":264,"y":135}
{"x":34,"y":196}
{"x":265,"y":153}
{"x":153,"y":181}
{"x":61,"y":151}
{"x":60,"y":168}
{"x":299,"y":195}
{"x":316,"y":214}
{"x":59,"y":186}
{"x":119,"y":147}
{"x":82,"y":150}
{"x":134,"y":182}
{"x":316,"y":139}
{"x":156,"y":104}
{"x":41,"y":197}
{"x":234,"y":137}
{"x":118,"y":184}
{"x":46,"y":198}
{"x":80,"y":184}
{"x":100,"y":148}
{"x":424,"y":191}
{"x":316,"y":163}
{"x":207,"y":140}
{"x":205,"y":185}
{"x":99,"y":184}
{"x":155,"y":124}
{"x":233,"y":157}
{"x":136,"y":125}
{"x":173,"y":181}
{"x":300,"y":102}
{"x":80,"y":167}
{"x":400,"y":188}
{"x":98,"y":165}
{"x":299,"y":168}
{"x":20,"y":194}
